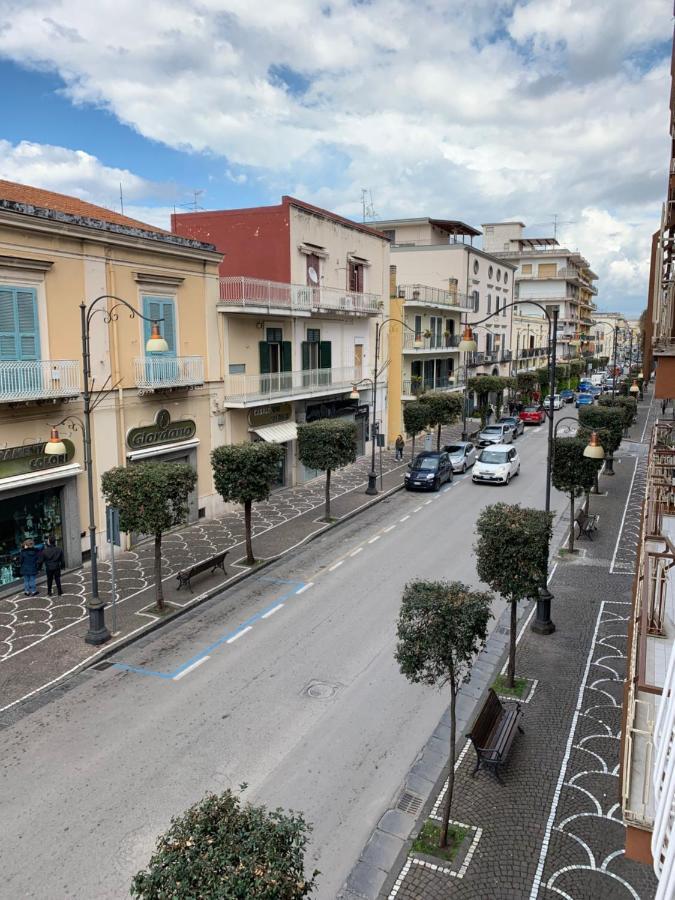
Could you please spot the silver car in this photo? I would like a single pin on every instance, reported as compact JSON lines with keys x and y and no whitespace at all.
{"x":515,"y":422}
{"x":495,"y":434}
{"x":462,"y":455}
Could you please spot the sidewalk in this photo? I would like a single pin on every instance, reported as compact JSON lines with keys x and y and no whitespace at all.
{"x":554,"y":829}
{"x":42,"y":638}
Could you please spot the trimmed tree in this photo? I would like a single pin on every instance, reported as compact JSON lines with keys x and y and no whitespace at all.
{"x":628,"y":406}
{"x":441,"y":628}
{"x":577,"y":367}
{"x":152,"y":498}
{"x":526,"y":383}
{"x":415,"y":420}
{"x":221,"y":848}
{"x":543,"y":379}
{"x":572,"y":473}
{"x":442,"y":409}
{"x":327,"y":445}
{"x":608,"y":421}
{"x":512,"y":558}
{"x":243,"y":473}
{"x":483,"y":386}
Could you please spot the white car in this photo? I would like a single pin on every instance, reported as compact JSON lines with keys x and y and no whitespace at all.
{"x":557,"y":402}
{"x":497,"y":464}
{"x":462,"y":455}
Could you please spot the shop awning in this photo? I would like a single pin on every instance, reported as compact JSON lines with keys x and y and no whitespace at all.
{"x":277,"y":434}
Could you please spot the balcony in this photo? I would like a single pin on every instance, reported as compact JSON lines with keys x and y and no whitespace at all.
{"x":416,"y":385}
{"x":435,"y":343}
{"x":239,"y":293}
{"x":165,"y":373}
{"x":251,"y":390}
{"x":533,"y":352}
{"x":424,"y":295}
{"x":40,"y":379}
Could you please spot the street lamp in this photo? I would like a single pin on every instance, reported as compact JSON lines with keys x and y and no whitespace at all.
{"x":97,"y":632}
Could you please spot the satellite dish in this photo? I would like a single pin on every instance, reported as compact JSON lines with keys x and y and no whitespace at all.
{"x":313,"y":275}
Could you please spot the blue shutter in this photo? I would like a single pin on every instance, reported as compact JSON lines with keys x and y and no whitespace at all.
{"x":8,"y":342}
{"x":156,"y":308}
{"x":19,"y":331}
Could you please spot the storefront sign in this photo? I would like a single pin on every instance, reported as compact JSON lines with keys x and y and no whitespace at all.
{"x":31,"y":458}
{"x":164,"y":431}
{"x":270,"y":415}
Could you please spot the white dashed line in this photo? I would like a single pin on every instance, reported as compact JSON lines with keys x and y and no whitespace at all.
{"x":357,"y":551}
{"x":417,"y":509}
{"x":270,"y":612}
{"x":404,"y":519}
{"x":235,"y":637}
{"x":427,"y":502}
{"x":373,"y":539}
{"x":391,"y":528}
{"x":335,"y":565}
{"x":304,"y":588}
{"x":190,"y":668}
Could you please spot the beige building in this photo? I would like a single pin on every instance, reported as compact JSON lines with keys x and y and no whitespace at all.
{"x":529,"y":338}
{"x":55,"y":253}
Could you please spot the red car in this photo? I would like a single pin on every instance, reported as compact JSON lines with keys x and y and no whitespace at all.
{"x":532,"y":415}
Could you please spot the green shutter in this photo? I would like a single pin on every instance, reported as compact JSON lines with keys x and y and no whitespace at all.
{"x":286,"y":356}
{"x":325,"y":355}
{"x":264,"y":349}
{"x":305,"y":355}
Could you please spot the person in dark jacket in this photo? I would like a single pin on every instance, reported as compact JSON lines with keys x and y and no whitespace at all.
{"x":52,"y":556}
{"x":29,"y":566}
{"x":400,"y":446}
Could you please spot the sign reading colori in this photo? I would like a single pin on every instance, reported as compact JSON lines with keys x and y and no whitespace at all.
{"x":270,"y":415}
{"x":164,"y":431}
{"x":31,"y":458}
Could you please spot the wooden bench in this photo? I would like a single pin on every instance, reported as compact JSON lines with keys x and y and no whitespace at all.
{"x":217,"y":561}
{"x":493,"y":732}
{"x":587,"y":524}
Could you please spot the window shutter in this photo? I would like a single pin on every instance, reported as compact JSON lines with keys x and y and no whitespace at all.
{"x":264,"y":349}
{"x":8,"y":347}
{"x":325,"y":355}
{"x":305,"y":354}
{"x":26,"y":314}
{"x":156,"y":308}
{"x":168,"y":326}
{"x":286,"y":356}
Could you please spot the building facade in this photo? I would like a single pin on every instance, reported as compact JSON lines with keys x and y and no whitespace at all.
{"x":301,"y":292}
{"x":529,"y":338}
{"x":55,"y":253}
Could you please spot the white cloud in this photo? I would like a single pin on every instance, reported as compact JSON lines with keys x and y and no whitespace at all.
{"x":470,"y":110}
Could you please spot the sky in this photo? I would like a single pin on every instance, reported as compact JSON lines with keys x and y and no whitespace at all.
{"x":483,"y":111}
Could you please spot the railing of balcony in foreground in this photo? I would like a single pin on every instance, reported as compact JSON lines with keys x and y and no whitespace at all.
{"x":38,"y":379}
{"x":416,"y":385}
{"x":242,"y":291}
{"x":424,"y":293}
{"x":430,"y":342}
{"x":157,"y":373}
{"x":248,"y":388}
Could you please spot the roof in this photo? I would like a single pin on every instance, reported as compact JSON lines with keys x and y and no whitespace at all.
{"x":452,"y":226}
{"x":533,"y":242}
{"x":510,"y":222}
{"x":29,"y":200}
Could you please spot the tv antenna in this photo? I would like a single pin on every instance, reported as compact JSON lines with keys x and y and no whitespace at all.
{"x":555,"y":222}
{"x":193,"y":204}
{"x":367,"y":208}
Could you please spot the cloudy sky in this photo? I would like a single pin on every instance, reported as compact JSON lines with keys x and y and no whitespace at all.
{"x":480,"y":110}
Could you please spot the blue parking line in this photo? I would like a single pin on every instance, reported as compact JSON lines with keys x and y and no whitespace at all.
{"x":169,"y":676}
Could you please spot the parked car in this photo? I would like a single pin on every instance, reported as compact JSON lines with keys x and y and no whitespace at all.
{"x":557,"y":402}
{"x":428,"y":471}
{"x":462,"y":455}
{"x":532,"y":415}
{"x":595,"y":392}
{"x":584,"y":400}
{"x":515,"y":423}
{"x":495,"y":434}
{"x":567,"y":396}
{"x":598,"y":379}
{"x":497,"y":464}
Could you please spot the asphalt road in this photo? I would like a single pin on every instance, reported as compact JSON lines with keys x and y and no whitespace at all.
{"x":287,"y":683}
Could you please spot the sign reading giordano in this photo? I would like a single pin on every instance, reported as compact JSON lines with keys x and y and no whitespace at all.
{"x":164,"y":431}
{"x":30,"y":458}
{"x":270,"y":415}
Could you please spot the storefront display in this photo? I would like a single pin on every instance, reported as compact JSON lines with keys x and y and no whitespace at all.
{"x":36,"y":515}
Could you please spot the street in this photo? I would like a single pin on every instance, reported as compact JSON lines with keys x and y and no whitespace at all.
{"x":287,"y":683}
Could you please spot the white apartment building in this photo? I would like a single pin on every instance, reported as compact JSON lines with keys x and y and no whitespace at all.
{"x":529,"y":338}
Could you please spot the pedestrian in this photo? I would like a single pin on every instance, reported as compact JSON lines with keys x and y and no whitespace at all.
{"x":29,"y":566}
{"x":400,"y":446}
{"x":52,"y":556}
{"x":490,"y":413}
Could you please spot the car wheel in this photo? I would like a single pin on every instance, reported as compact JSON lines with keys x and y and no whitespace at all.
{"x":518,"y":471}
{"x":464,"y":468}
{"x":508,"y":479}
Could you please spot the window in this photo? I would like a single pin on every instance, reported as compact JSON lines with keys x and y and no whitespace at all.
{"x":475,"y":267}
{"x":355,"y":276}
{"x":497,"y":304}
{"x":476,"y":301}
{"x":490,"y":271}
{"x":313,"y":269}
{"x":526,"y":269}
{"x":489,"y":304}
{"x":391,"y":234}
{"x":311,"y":354}
{"x":499,"y":274}
{"x":547,"y":270}
{"x":489,"y":229}
{"x":160,"y":309}
{"x":237,"y":368}
{"x":418,"y":326}
{"x":506,"y":277}
{"x":436,"y":328}
{"x":313,"y":335}
{"x":19,"y":334}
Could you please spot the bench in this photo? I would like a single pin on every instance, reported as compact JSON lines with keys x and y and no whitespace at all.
{"x":587,"y":524}
{"x":217,"y":561}
{"x":493,"y":732}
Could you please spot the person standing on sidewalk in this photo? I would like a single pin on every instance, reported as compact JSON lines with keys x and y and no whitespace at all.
{"x":400,"y":446}
{"x":29,"y":566}
{"x":52,"y":557}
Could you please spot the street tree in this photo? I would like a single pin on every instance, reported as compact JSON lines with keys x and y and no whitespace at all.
{"x":443,"y":409}
{"x":326,"y":445}
{"x":415,"y":420}
{"x":484,"y":386}
{"x":608,"y":423}
{"x":441,"y":628}
{"x":572,"y":473}
{"x":244,"y":473}
{"x":221,"y":848}
{"x":628,"y":406}
{"x":152,"y":498}
{"x":512,"y":558}
{"x":577,"y":367}
{"x":526,"y":383}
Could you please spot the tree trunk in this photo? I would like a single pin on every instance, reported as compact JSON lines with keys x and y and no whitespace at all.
{"x":159,"y":591}
{"x":596,"y":485}
{"x":327,"y":510}
{"x":570,"y":542}
{"x":413,"y":447}
{"x":609,"y":464}
{"x":438,"y":440}
{"x":250,"y":559}
{"x":451,"y":773}
{"x":511,"y":668}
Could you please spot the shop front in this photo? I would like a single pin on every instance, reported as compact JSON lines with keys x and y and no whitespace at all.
{"x":38,"y":499}
{"x":276,"y":424}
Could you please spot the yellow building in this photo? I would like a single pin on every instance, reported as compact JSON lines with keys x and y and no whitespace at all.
{"x":55,"y":253}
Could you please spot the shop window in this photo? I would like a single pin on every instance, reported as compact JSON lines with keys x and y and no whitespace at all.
{"x":19,"y":335}
{"x":37,"y":516}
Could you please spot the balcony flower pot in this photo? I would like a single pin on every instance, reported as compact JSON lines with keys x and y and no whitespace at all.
{"x":416,"y":295}
{"x":427,"y":334}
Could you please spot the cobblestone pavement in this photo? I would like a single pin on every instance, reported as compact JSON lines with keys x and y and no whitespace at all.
{"x":555,"y":829}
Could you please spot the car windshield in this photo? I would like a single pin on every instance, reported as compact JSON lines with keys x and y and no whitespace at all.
{"x":493,"y":429}
{"x":494,"y":457}
{"x":454,"y":448}
{"x":427,"y":462}
{"x":530,"y":409}
{"x":507,"y":420}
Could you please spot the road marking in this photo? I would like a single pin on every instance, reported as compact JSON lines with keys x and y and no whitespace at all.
{"x":304,"y":588}
{"x":270,"y":612}
{"x":235,"y":637}
{"x":189,"y":669}
{"x":373,"y":539}
{"x":391,"y":528}
{"x":404,"y":519}
{"x":336,"y":565}
{"x":417,"y":509}
{"x":357,"y":551}
{"x":427,"y":502}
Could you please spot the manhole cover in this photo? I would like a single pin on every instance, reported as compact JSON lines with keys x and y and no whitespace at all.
{"x":321,"y":690}
{"x":409,"y":803}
